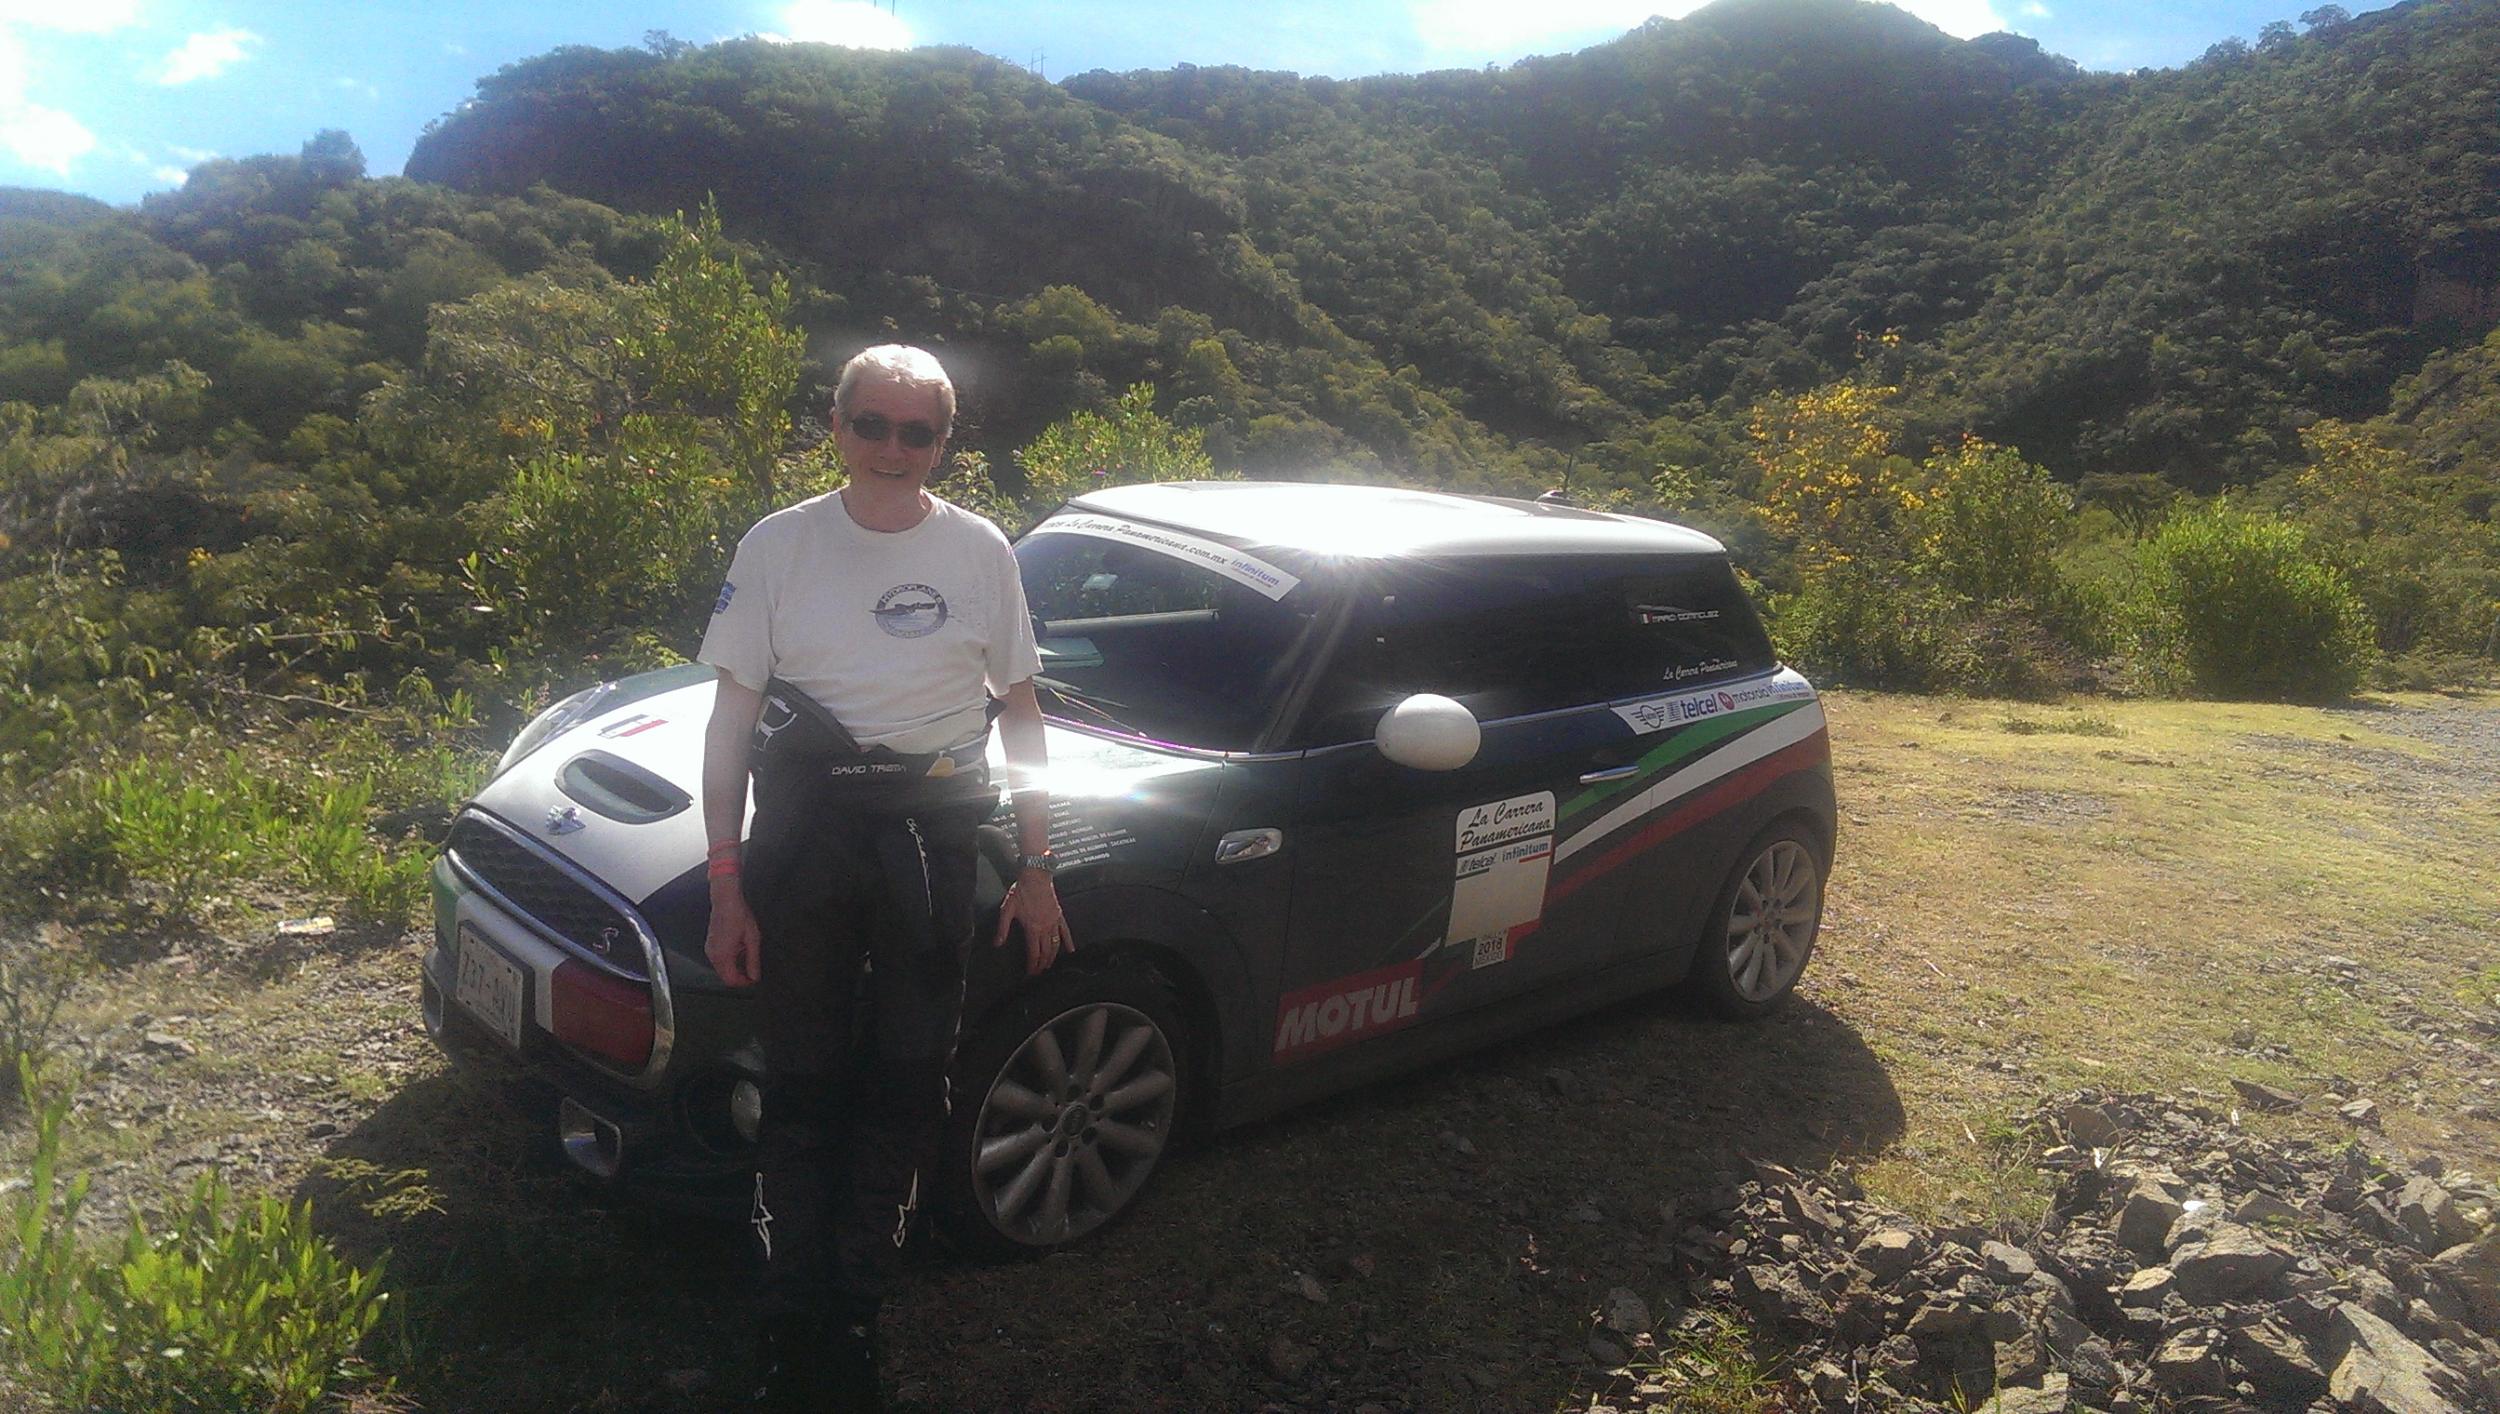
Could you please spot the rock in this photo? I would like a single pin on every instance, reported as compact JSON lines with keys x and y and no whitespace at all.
{"x":1605,"y":1352}
{"x":2148,"y":1287}
{"x":1778,"y":1294}
{"x":2020,"y":1359}
{"x":2006,"y":1262}
{"x":1286,"y":1359}
{"x":2276,"y":1362}
{"x":320,"y":925}
{"x":1454,"y":1140}
{"x":679,"y":1382}
{"x":2431,"y":1216}
{"x":2048,"y":1398}
{"x":1624,"y":1313}
{"x":2145,"y":1215}
{"x":1830,"y":1384}
{"x":1310,"y":1288}
{"x":1888,"y":1253}
{"x":2229,"y":1261}
{"x":2258,"y":1209}
{"x":166,"y":1043}
{"x":2265,"y":1097}
{"x":1942,"y":1318}
{"x":2089,"y":1125}
{"x":2360,"y":1112}
{"x":2472,"y":1271}
{"x":2379,"y":1371}
{"x":2190,"y":1362}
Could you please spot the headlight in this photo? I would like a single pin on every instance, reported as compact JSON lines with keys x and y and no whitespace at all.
{"x":578,"y":707}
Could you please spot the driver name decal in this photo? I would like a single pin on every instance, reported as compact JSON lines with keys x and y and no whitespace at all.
{"x":1331,"y":1014}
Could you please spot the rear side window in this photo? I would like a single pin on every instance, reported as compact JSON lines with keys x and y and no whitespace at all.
{"x":1515,"y":636}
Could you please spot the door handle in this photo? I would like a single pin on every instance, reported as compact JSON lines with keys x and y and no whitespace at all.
{"x":1241,"y":846}
{"x":1611,"y":773}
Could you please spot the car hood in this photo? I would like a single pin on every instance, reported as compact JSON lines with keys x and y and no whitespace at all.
{"x":662,"y":736}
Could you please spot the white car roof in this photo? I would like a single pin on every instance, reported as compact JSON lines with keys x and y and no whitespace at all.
{"x":1390,"y":521}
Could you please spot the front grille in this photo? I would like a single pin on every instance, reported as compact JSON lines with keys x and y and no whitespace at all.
{"x":553,"y":899}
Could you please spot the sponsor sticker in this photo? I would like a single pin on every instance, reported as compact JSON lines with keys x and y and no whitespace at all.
{"x":728,"y":592}
{"x":1492,"y":948}
{"x":1332,"y":1014}
{"x":1656,"y":714}
{"x":1481,"y":826}
{"x":1233,"y":564}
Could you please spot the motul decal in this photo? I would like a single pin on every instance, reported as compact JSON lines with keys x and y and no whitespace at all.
{"x":1331,"y":1014}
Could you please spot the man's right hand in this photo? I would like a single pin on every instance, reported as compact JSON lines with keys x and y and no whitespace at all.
{"x":733,"y":943}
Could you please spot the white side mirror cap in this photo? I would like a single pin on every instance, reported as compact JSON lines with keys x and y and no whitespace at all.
{"x":1430,"y":733}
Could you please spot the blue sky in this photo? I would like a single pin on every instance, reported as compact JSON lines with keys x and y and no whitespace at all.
{"x":115,"y":98}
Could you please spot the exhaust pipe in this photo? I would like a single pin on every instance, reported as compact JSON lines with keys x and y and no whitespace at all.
{"x":595,"y":1145}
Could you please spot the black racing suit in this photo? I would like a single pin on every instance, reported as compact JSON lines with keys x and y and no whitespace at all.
{"x":863,"y":897}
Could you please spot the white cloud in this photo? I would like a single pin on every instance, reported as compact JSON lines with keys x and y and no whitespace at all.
{"x":193,"y":155}
{"x":852,"y":23}
{"x":356,"y":86}
{"x":44,"y":137}
{"x":205,"y":56}
{"x":1487,"y":30}
{"x":89,"y":17}
{"x":173,"y":176}
{"x":2034,"y":10}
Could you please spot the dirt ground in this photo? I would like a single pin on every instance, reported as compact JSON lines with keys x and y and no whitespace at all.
{"x":2156,"y":895}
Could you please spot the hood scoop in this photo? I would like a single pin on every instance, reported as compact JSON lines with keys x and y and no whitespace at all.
{"x":620,"y":790}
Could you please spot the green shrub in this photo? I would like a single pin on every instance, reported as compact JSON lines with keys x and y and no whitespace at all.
{"x":1864,"y":626}
{"x":2236,"y":604}
{"x":229,"y":1306}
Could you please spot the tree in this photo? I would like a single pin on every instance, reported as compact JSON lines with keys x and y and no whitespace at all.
{"x":1087,"y":450}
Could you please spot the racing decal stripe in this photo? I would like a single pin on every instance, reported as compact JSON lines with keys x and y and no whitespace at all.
{"x":1797,"y":726}
{"x":1689,"y":742}
{"x":1742,"y":786}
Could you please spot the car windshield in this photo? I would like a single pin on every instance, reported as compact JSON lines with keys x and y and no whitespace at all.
{"x":1159,"y":634}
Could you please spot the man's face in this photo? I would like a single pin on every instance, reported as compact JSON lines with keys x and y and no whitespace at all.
{"x":902,"y":415}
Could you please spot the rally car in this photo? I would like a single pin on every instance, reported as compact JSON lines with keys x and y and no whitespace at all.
{"x":1344,"y":779}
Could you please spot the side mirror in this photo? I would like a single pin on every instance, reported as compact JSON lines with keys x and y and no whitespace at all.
{"x":1429,"y":732}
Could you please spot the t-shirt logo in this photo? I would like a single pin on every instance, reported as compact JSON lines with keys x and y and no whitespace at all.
{"x":728,"y":592}
{"x":911,"y":611}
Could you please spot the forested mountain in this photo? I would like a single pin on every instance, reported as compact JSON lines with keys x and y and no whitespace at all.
{"x":2161,"y":273}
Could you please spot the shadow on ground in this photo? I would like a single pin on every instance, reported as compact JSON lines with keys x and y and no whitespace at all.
{"x":1457,"y":1225}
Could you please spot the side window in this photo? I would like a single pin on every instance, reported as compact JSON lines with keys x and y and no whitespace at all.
{"x":1692,"y":624}
{"x":1516,"y":636}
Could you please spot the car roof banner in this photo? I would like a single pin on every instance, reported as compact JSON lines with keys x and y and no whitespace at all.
{"x":1239,"y":567}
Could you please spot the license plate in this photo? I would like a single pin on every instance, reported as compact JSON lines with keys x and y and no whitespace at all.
{"x":491,"y":987}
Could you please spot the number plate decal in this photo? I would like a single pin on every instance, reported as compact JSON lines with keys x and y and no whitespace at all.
{"x":491,"y":987}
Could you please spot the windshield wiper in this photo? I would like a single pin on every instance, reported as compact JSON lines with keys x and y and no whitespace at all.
{"x":1081,"y":702}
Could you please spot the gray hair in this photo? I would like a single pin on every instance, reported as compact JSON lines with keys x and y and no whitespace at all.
{"x":901,"y":365}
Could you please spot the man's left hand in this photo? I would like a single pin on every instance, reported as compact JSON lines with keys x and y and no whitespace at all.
{"x":1033,"y":905}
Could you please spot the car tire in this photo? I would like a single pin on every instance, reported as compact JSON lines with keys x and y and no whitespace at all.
{"x":1761,"y":929}
{"x":1065,"y":1103}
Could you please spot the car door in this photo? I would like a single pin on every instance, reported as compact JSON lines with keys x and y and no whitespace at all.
{"x":1419,"y":896}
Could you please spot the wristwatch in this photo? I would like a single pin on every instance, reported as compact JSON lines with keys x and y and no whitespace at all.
{"x":1046,"y":861}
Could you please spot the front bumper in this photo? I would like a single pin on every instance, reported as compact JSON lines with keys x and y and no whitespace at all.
{"x":670,"y":1129}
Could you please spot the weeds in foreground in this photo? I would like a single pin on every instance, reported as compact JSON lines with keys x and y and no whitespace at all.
{"x":230,"y":1305}
{"x":1709,"y":1366}
{"x":34,"y":982}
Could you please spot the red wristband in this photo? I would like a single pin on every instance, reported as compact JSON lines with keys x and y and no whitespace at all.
{"x":719,"y":845}
{"x":721,"y":869}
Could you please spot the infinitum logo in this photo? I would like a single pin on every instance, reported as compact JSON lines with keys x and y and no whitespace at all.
{"x":1331,"y":1014}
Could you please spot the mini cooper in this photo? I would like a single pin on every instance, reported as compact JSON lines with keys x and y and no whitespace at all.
{"x":1343,"y":780}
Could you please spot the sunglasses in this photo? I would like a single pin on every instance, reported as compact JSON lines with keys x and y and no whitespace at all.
{"x":876,"y":427}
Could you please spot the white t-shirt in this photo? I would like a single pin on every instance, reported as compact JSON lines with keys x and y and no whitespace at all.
{"x":896,"y":633}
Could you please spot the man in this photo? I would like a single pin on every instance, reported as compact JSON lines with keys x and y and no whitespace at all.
{"x":875,"y":623}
